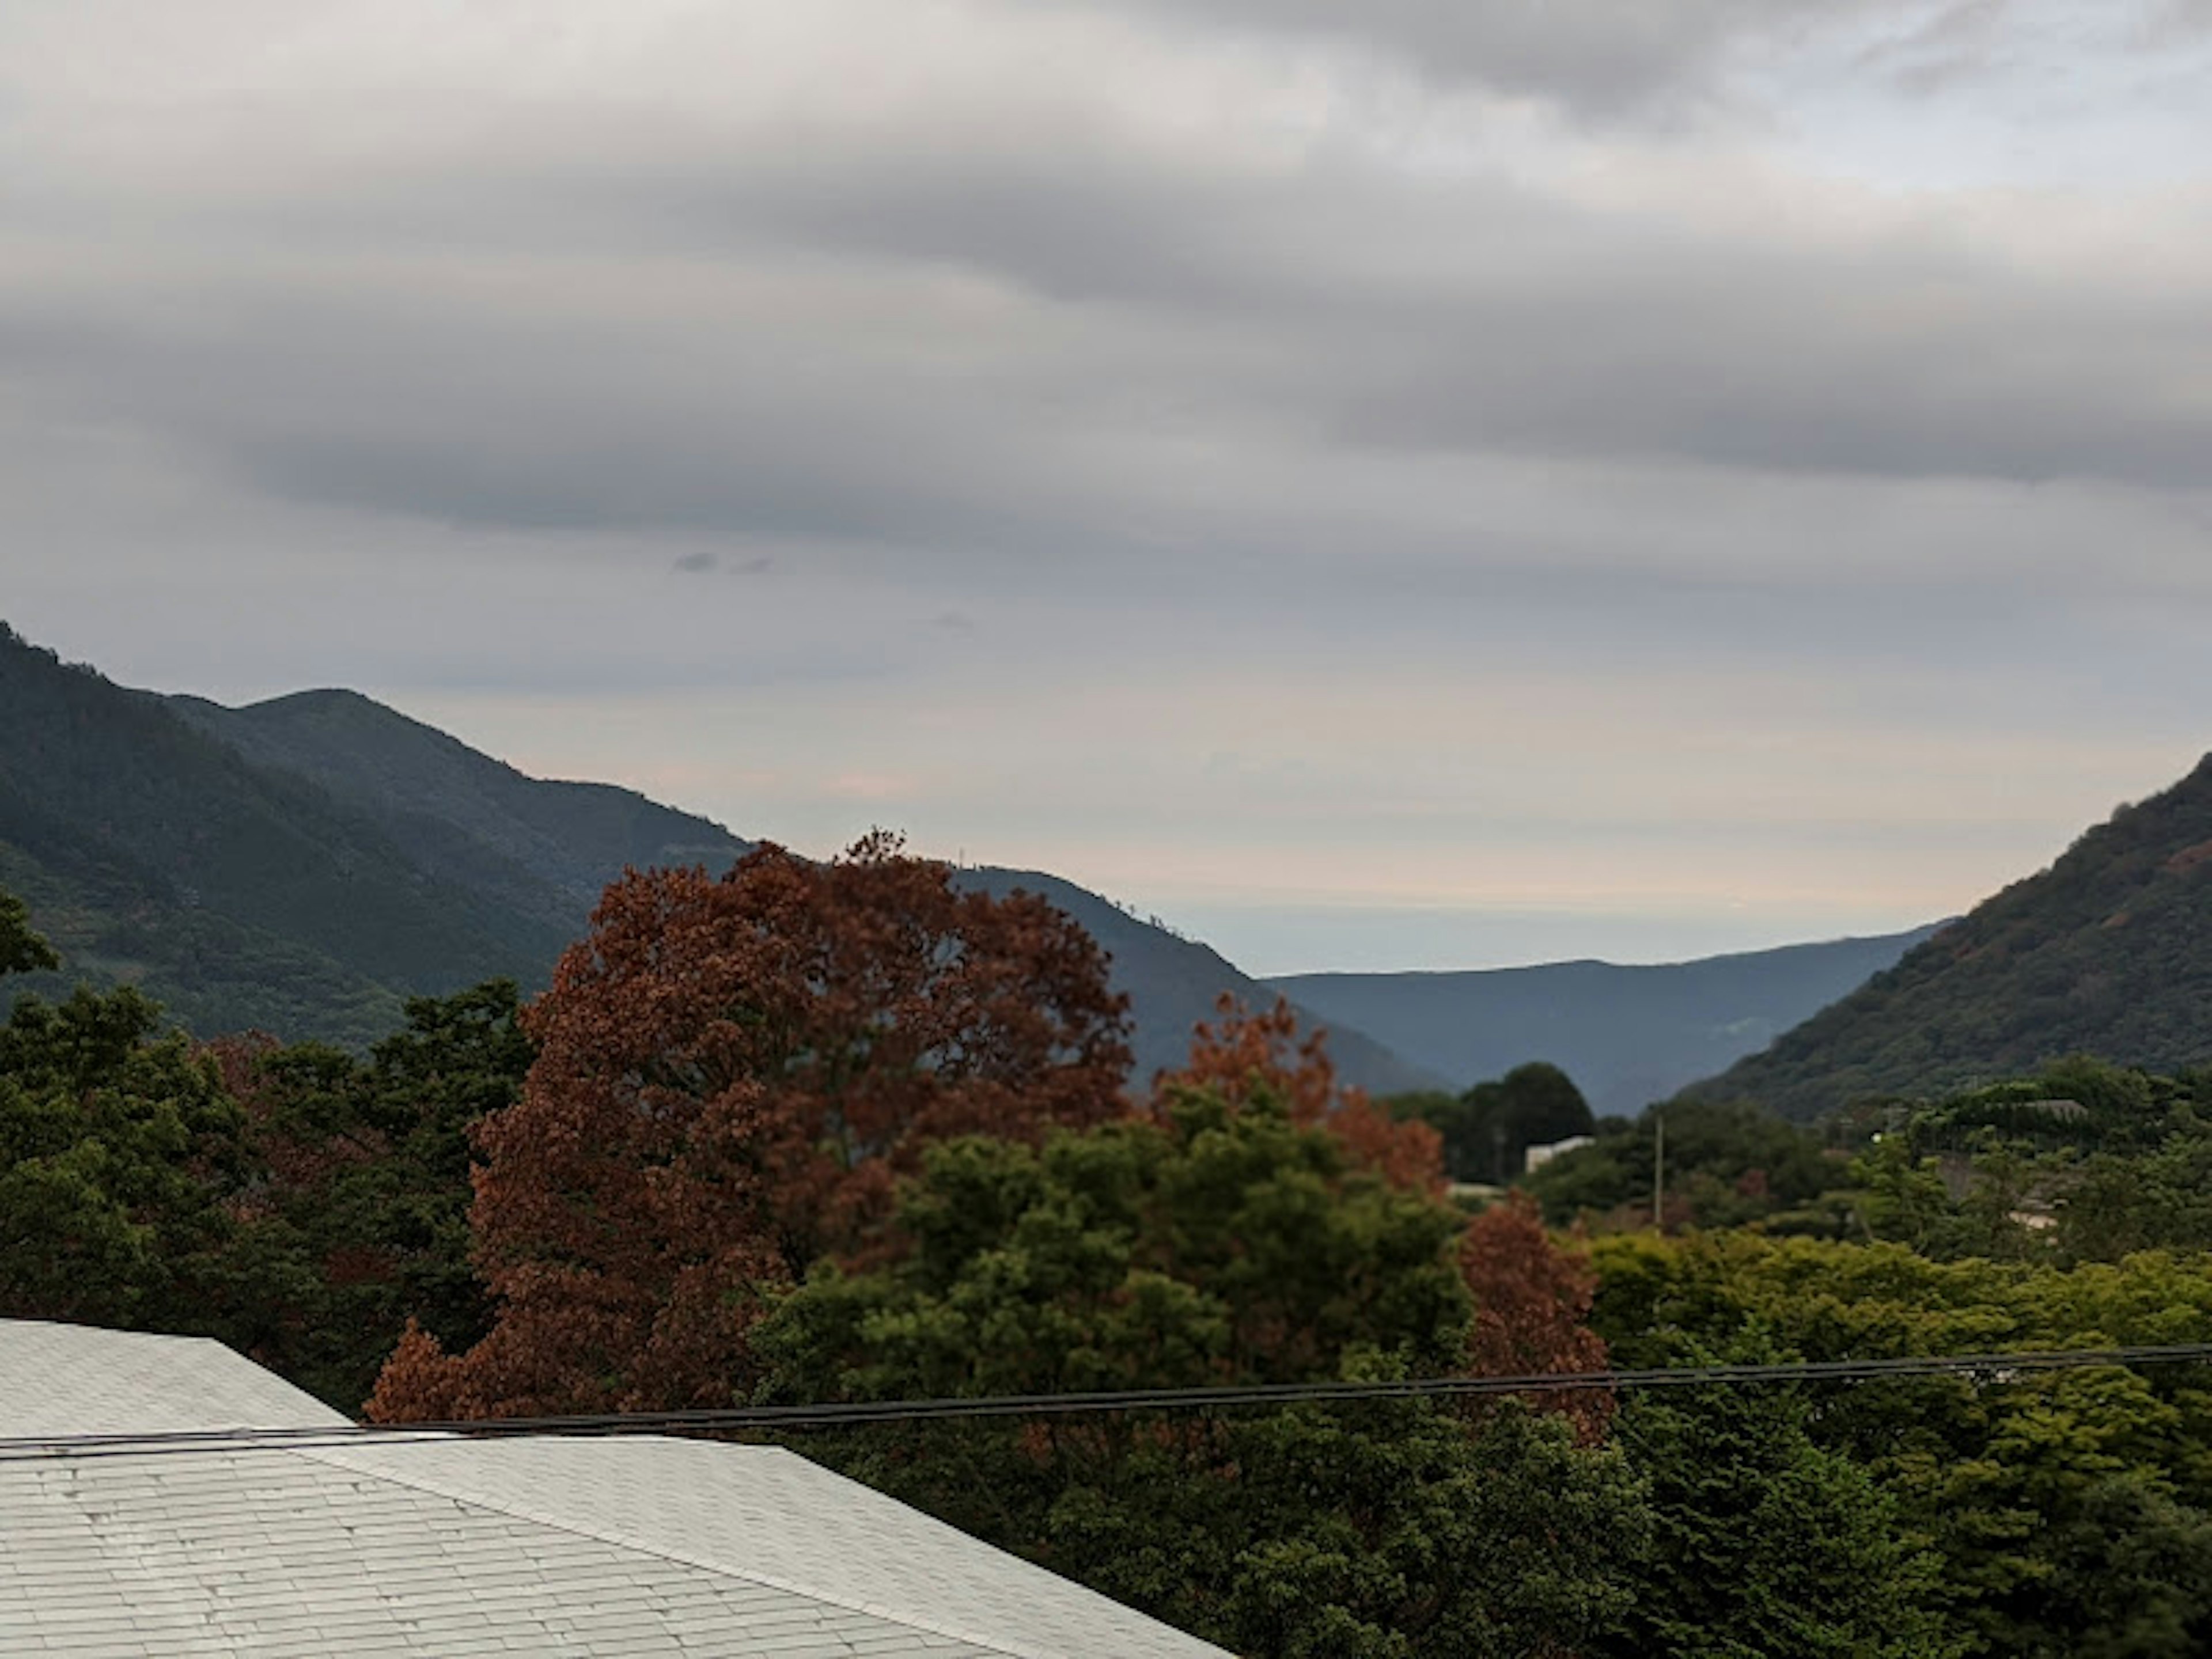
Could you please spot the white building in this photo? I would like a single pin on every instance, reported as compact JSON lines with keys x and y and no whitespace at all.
{"x":537,"y":1545}
{"x":1534,"y":1159}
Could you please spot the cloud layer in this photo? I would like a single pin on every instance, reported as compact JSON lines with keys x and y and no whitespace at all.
{"x":1054,"y":375}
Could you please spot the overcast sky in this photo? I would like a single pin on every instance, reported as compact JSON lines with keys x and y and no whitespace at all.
{"x":1489,"y":482}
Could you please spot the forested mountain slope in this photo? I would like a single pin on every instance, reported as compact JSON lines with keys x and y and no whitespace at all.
{"x":542,"y":846}
{"x":301,"y":865}
{"x":1628,"y":1036}
{"x":240,"y":894}
{"x":2107,"y":952}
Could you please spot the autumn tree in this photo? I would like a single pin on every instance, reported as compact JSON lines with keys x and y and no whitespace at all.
{"x":1532,"y":1306}
{"x":1245,"y":1054}
{"x":731,"y":1072}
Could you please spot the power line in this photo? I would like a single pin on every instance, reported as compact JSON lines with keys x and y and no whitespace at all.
{"x":1987,"y":1368}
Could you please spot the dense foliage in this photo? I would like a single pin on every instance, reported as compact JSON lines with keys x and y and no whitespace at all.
{"x":826,"y":1132}
{"x":1727,"y":1163}
{"x":2108,"y":952}
{"x":731,"y":1072}
{"x":1487,"y":1131}
{"x":299,"y":1204}
{"x":1217,"y":1242}
{"x":364,"y":1183}
{"x":2066,"y":1512}
{"x":120,"y":1156}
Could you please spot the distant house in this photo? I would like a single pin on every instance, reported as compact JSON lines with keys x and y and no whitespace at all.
{"x":1535,"y":1157}
{"x":536,"y":1545}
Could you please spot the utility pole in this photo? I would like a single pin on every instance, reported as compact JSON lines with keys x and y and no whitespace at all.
{"x":1659,"y":1169}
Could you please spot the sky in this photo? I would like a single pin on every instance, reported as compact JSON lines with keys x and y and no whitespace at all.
{"x":1418,"y":485}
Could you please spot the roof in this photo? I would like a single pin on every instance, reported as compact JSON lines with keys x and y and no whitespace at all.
{"x":539,"y":1544}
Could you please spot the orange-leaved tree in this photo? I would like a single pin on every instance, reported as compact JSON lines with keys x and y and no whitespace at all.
{"x":1532,"y":1305}
{"x":1246,"y":1053}
{"x":731,"y":1072}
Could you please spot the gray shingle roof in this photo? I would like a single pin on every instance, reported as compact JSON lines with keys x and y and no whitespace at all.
{"x":539,"y":1545}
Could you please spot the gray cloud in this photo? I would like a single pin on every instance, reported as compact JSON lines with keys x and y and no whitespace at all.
{"x":955,"y":353}
{"x":1159,"y":360}
{"x":1605,"y":58}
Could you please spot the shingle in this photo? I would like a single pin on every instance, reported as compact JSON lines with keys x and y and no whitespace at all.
{"x":642,"y":1546}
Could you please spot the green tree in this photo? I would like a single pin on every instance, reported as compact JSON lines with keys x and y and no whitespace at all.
{"x":1728,"y":1163}
{"x":2130,"y":1577}
{"x":1767,"y":1543}
{"x":2009,"y":1479}
{"x":21,"y":950}
{"x":1487,"y":1129}
{"x":1219,"y":1242}
{"x":1532,"y":1105}
{"x":367,"y":1180}
{"x":120,"y":1151}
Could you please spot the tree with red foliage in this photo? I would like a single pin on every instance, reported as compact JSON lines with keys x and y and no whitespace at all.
{"x":1532,"y":1304}
{"x":730,"y":1073}
{"x":1247,"y":1053}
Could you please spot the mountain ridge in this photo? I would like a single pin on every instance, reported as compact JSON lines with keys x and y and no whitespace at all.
{"x":2107,"y":952}
{"x":1628,"y":1034}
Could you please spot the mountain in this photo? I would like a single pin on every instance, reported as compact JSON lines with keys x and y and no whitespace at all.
{"x":549,"y":848}
{"x":1173,"y":983}
{"x":240,"y":894}
{"x":1628,"y":1036}
{"x":542,"y":848}
{"x":2107,"y":952}
{"x":301,"y":865}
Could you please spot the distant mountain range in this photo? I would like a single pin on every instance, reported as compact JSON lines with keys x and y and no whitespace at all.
{"x":2108,"y":952}
{"x":1628,"y":1036}
{"x":302,"y":865}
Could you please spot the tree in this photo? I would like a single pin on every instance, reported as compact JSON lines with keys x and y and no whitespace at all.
{"x":1766,"y":1542}
{"x":125,"y":1170}
{"x":120,"y":1151}
{"x":1728,"y":1163}
{"x":1246,"y":1055}
{"x":2132,"y":1579}
{"x":731,"y":1072}
{"x":1214,"y":1242}
{"x":21,"y":950}
{"x":1488,"y":1129}
{"x":365,"y":1181}
{"x":1532,"y":1305}
{"x":2065,"y":1509}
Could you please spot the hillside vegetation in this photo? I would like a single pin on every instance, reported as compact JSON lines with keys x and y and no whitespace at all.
{"x":2108,"y":952}
{"x":239,"y":894}
{"x":802,"y":1216}
{"x":539,"y":847}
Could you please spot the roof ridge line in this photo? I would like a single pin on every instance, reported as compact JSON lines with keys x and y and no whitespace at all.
{"x":334,"y":1456}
